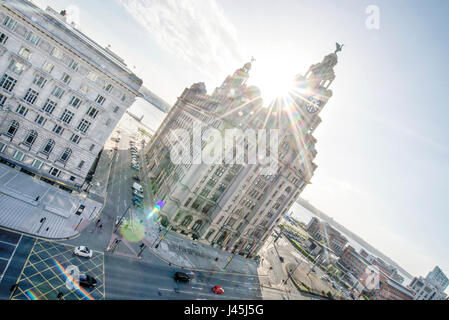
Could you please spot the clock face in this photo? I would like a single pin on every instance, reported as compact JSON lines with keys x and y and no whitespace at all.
{"x":313,"y":106}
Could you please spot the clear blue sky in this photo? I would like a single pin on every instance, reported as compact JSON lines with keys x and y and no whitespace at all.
{"x":383,"y":156}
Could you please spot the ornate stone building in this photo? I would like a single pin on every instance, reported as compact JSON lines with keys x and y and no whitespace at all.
{"x":235,"y":206}
{"x":61,"y":94}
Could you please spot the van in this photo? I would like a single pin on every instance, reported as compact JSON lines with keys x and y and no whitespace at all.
{"x":137,"y":187}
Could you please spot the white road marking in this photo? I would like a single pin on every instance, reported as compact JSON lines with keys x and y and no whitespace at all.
{"x":10,"y":258}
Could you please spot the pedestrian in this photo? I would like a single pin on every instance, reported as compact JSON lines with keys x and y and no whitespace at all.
{"x":98,"y":221}
{"x":101,"y":226}
{"x":37,"y":198}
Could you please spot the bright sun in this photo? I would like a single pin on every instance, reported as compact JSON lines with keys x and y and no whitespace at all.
{"x":273,"y":79}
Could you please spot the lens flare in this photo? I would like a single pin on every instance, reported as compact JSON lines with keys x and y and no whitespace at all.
{"x":31,"y":295}
{"x":76,"y":285}
{"x":156,"y":209}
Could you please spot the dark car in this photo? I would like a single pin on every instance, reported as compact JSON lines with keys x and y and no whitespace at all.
{"x":181,"y":277}
{"x":87,"y":281}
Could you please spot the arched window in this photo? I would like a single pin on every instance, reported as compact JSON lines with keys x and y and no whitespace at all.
{"x":30,"y":139}
{"x":66,"y":155}
{"x":13,"y":127}
{"x":197,"y":225}
{"x":211,"y":232}
{"x":186,"y":221}
{"x":48,"y":147}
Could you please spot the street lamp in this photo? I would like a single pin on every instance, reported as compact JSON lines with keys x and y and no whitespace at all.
{"x":121,"y":218}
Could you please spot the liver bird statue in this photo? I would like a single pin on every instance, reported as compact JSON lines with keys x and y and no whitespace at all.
{"x":339,"y":47}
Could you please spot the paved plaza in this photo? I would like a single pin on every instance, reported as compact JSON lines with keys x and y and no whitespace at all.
{"x":56,"y":213}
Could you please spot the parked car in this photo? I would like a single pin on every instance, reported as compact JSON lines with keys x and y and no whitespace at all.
{"x":137,"y":187}
{"x":181,"y":277}
{"x":83,"y":251}
{"x":217,"y":290}
{"x":87,"y":281}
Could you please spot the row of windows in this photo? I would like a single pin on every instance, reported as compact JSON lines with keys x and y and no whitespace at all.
{"x":47,"y":148}
{"x":66,"y":117}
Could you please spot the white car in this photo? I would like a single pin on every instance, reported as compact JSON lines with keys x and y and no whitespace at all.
{"x":83,"y":251}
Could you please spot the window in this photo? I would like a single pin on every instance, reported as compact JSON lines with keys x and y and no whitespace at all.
{"x":75,"y":138}
{"x":23,"y":111}
{"x":8,"y":83}
{"x":3,"y":38}
{"x":92,"y":148}
{"x":108,"y":122}
{"x":16,"y":67}
{"x":58,"y":54}
{"x":92,"y":76}
{"x":48,"y":148}
{"x":74,"y":65}
{"x":13,"y":127}
{"x":54,"y":172}
{"x":31,"y":96}
{"x":58,"y":129}
{"x":66,"y":78}
{"x":92,"y":112}
{"x":72,"y":178}
{"x":84,"y":126}
{"x":108,"y":88}
{"x":48,"y":67}
{"x":40,"y":120}
{"x":39,"y":81}
{"x":123,"y":98}
{"x":18,"y":155}
{"x":75,"y":102}
{"x":65,"y":155}
{"x":67,"y":116}
{"x":100,"y":100}
{"x":81,"y":164}
{"x":9,"y":23}
{"x":37,"y":164}
{"x":49,"y":106}
{"x":2,"y":100}
{"x":30,"y":139}
{"x":24,"y":52}
{"x":116,"y":109}
{"x":34,"y":39}
{"x":58,"y":92}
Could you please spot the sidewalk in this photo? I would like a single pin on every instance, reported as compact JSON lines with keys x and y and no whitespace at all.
{"x":56,"y":208}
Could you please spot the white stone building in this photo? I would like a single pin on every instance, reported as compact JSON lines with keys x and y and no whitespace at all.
{"x":61,"y":94}
{"x":236,"y":206}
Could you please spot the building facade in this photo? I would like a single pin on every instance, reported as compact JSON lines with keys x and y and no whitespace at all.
{"x":431,"y":287}
{"x":322,"y":231}
{"x":232,"y":205}
{"x":61,"y":94}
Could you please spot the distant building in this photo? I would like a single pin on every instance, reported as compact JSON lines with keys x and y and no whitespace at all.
{"x":431,"y":287}
{"x":438,"y":278}
{"x":61,"y":94}
{"x":353,"y":262}
{"x":322,"y":231}
{"x":391,"y":290}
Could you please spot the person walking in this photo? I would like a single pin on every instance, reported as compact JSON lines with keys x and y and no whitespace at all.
{"x":100,"y":227}
{"x":37,"y":198}
{"x":98,"y":221}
